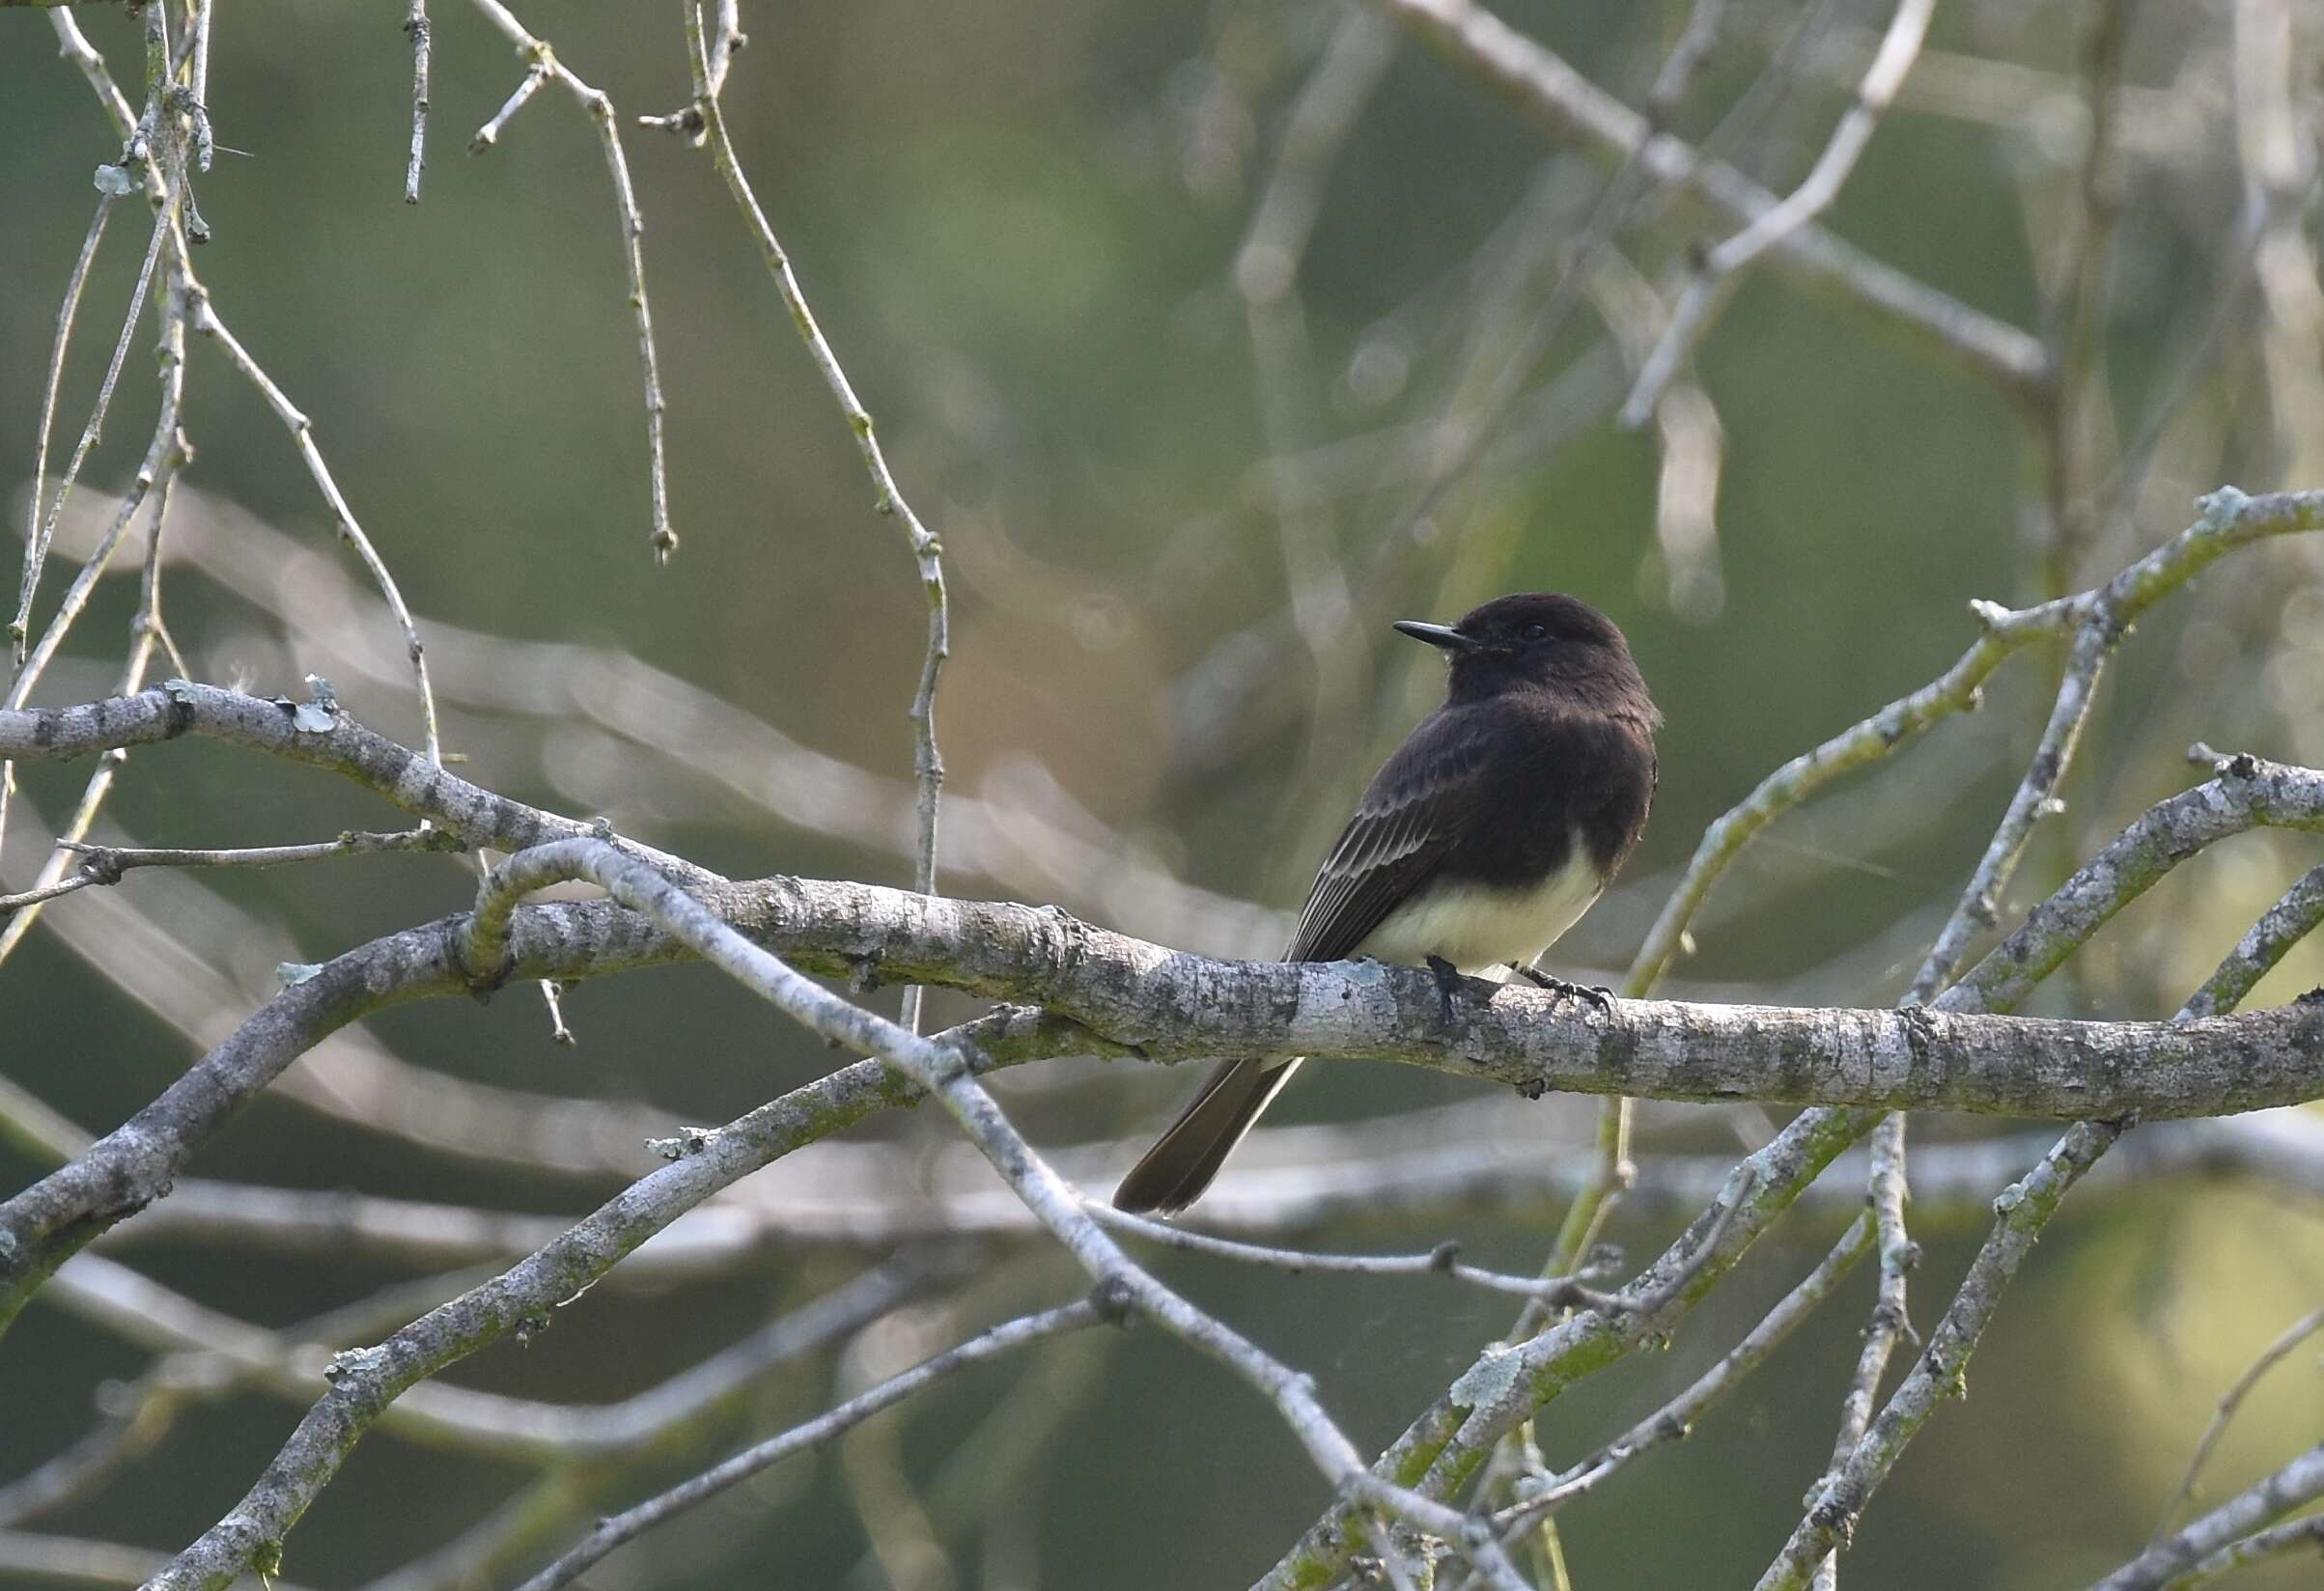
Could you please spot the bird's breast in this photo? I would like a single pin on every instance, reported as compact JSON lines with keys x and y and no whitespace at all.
{"x":1476,"y":926}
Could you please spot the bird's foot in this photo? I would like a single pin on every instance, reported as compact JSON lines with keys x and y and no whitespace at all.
{"x":1448,"y":982}
{"x":1597,"y":994}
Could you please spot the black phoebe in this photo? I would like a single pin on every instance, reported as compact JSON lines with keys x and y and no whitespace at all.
{"x":1491,"y":830}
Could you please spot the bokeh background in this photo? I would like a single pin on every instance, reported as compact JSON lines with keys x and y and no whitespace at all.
{"x":1020,"y":225}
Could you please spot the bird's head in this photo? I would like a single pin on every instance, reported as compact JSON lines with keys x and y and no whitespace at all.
{"x":1541,"y":638}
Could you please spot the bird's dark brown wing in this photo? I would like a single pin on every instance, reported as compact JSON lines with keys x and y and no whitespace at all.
{"x":1403,"y":828}
{"x":1406,"y":824}
{"x":1413,"y":822}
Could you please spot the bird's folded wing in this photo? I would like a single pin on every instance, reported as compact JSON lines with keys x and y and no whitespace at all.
{"x":1407,"y":822}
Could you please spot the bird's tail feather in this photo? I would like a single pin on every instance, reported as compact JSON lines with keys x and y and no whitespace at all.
{"x":1173,"y":1173}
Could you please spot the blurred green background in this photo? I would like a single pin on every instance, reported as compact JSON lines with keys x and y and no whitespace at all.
{"x":1018,"y":223}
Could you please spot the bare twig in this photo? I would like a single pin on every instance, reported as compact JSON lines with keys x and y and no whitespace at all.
{"x":1889,"y":1322}
{"x":2283,"y":926}
{"x":542,"y":63}
{"x":2230,"y":1402}
{"x":928,"y":764}
{"x":509,"y":1429}
{"x":615,"y":1529}
{"x":1676,"y":1418}
{"x":2257,"y":1548}
{"x":165,"y":455}
{"x":527,"y":87}
{"x":109,"y":862}
{"x":2078,"y":426}
{"x":2021,"y":1211}
{"x":194,"y":67}
{"x":36,"y":551}
{"x":725,"y":43}
{"x":1553,"y":1292}
{"x":2227,"y":519}
{"x":1266,"y":279}
{"x":37,"y":515}
{"x":105,"y":864}
{"x":40,"y":893}
{"x":2208,"y":1546}
{"x":415,"y":25}
{"x":206,"y":322}
{"x":1898,"y":48}
{"x":1571,"y":106}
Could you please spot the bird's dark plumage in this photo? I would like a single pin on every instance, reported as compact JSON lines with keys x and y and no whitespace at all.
{"x":1491,"y":828}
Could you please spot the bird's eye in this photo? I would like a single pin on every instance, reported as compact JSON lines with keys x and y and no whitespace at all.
{"x":1533,"y":631}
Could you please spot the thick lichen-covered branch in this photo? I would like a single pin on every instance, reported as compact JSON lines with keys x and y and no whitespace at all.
{"x":1165,"y":1004}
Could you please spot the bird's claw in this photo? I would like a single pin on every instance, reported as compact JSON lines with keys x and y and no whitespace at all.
{"x":1597,"y":994}
{"x":1448,"y":984}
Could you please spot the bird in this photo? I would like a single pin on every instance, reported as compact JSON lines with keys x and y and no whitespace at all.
{"x":1483,"y":838}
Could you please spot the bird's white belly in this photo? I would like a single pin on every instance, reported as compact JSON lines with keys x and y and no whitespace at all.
{"x":1475,"y":928}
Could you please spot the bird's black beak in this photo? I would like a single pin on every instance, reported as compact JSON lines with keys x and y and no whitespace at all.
{"x":1437,"y":635}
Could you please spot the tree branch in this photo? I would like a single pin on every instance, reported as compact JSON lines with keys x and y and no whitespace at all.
{"x":1440,"y":1451}
{"x":1478,"y":1156}
{"x":630,"y":1523}
{"x":105,"y":864}
{"x":2292,"y":1336}
{"x":318,"y":733}
{"x":598,"y":106}
{"x":2182,"y":1558}
{"x":1447,"y":1443}
{"x":1690,"y":316}
{"x":495,"y":1425}
{"x":708,"y":66}
{"x":2226,"y":519}
{"x":1168,"y":1005}
{"x":1676,"y":1418}
{"x":1571,"y":106}
{"x":2023,"y":1209}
